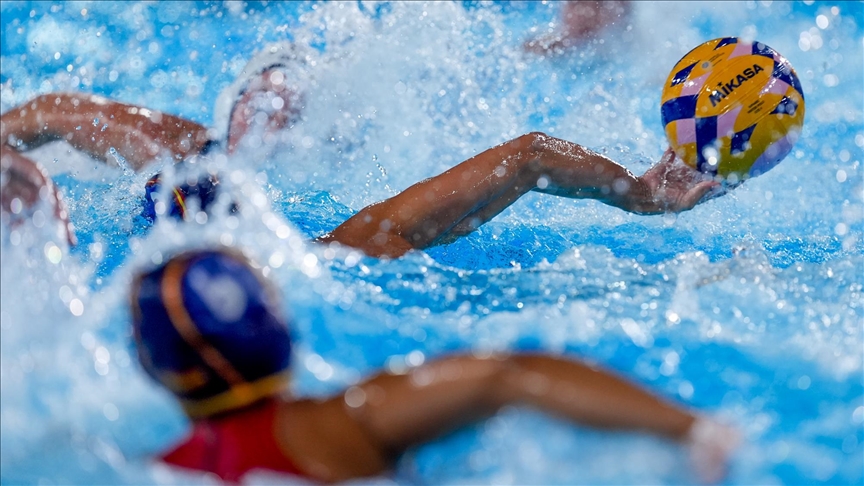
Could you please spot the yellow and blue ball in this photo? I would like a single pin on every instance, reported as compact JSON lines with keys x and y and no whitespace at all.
{"x":732,"y":108}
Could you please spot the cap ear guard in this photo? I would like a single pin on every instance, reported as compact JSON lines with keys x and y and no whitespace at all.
{"x":208,"y":328}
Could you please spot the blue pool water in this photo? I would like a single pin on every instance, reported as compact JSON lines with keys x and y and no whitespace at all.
{"x":749,"y":307}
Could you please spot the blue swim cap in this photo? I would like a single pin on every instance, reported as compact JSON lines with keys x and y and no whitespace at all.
{"x":205,"y":189}
{"x":209,"y":329}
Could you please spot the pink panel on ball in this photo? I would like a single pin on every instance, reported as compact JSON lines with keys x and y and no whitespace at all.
{"x":686,"y":131}
{"x":741,"y":49}
{"x":692,"y":86}
{"x":775,"y":86}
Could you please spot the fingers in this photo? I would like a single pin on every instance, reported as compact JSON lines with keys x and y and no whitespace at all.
{"x":667,"y":160}
{"x":657,"y":173}
{"x":668,"y":156}
{"x":694,"y":195}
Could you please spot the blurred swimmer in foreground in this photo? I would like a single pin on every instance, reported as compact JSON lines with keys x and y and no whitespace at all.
{"x":209,"y":327}
{"x":431,"y":212}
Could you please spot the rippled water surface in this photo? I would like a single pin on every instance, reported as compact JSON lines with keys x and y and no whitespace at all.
{"x":748,"y":307}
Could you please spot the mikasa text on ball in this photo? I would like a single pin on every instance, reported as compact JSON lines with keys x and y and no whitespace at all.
{"x":732,"y":108}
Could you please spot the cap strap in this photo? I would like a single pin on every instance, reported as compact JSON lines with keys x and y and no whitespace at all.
{"x":236,"y":397}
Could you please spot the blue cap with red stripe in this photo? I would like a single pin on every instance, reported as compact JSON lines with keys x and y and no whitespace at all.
{"x":209,"y":328}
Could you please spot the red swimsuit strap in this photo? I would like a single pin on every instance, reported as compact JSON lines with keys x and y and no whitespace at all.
{"x":232,"y":445}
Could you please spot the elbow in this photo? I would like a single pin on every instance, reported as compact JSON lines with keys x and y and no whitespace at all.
{"x":43,"y":103}
{"x":26,"y":109}
{"x":39,"y":104}
{"x":532,"y":142}
{"x":52,"y":102}
{"x":526,"y":149}
{"x":531,"y":149}
{"x":500,"y":377}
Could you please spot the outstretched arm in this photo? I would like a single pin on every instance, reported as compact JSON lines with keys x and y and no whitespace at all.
{"x":382,"y":417}
{"x":95,"y":125}
{"x":461,"y":199}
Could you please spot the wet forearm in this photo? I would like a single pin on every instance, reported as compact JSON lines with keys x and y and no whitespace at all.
{"x":590,"y":396}
{"x":52,"y":117}
{"x":20,"y":127}
{"x":567,"y":169}
{"x":101,"y":128}
{"x":399,"y":411}
{"x":403,"y":410}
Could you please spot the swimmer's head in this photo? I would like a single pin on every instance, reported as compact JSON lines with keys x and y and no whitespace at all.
{"x":197,"y":192}
{"x":178,"y":203}
{"x":264,"y":94}
{"x":209,"y":328}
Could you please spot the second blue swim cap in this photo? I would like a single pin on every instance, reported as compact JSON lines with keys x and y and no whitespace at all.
{"x":210,"y":329}
{"x":205,"y":189}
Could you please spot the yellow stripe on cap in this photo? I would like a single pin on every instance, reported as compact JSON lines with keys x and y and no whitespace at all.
{"x":237,"y":396}
{"x":184,"y":381}
{"x":180,"y":199}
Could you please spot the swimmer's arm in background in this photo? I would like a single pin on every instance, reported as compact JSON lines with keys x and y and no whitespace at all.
{"x":580,"y":22}
{"x":95,"y":125}
{"x":375,"y":421}
{"x":463,"y":198}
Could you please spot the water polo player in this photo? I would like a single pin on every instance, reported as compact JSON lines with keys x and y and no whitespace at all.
{"x":140,"y":135}
{"x":210,"y":328}
{"x":428,"y":213}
